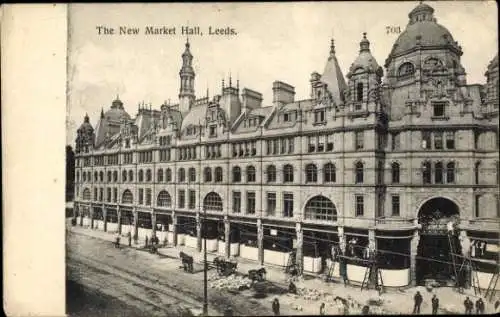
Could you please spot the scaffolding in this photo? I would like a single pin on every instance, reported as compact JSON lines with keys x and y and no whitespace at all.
{"x":373,"y":276}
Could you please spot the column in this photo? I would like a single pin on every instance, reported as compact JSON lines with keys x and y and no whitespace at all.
{"x":81,"y":215}
{"x":342,"y":243}
{"x":372,"y":247}
{"x":105,"y":217}
{"x":299,"y":256}
{"x":413,"y":258}
{"x":153,"y":223}
{"x":174,"y":229}
{"x":91,"y":217}
{"x":227,"y":236}
{"x":198,"y":231}
{"x":260,"y":241}
{"x":135,"y":236}
{"x":119,"y":220}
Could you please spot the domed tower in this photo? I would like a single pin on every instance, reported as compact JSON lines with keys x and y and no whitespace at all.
{"x":364,"y":79}
{"x":110,"y":121}
{"x":491,"y":88}
{"x":186,"y":93}
{"x":424,"y":63}
{"x":85,"y":136}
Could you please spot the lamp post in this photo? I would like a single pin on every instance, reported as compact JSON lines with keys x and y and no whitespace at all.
{"x":205,"y":300}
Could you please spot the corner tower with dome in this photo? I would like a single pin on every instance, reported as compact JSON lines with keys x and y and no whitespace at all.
{"x":389,"y":161}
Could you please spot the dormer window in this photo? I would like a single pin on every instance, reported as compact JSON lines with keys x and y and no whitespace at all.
{"x":319,"y":116}
{"x":406,"y":70}
{"x":359,"y":92}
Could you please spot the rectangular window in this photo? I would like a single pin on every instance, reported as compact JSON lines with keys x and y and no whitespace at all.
{"x":319,"y":116}
{"x":269,"y":146}
{"x":438,"y":140}
{"x":192,"y":199}
{"x":95,"y":193}
{"x":359,"y":140}
{"x":182,"y":198}
{"x":321,"y":143}
{"x":115,"y":195}
{"x":148,"y":196}
{"x":311,"y":140}
{"x":476,"y":206}
{"x":426,"y":140}
{"x":275,"y":146}
{"x":395,"y":141}
{"x":286,"y":117}
{"x":291,"y":145}
{"x":213,"y":131}
{"x":283,"y":146}
{"x":288,"y":205}
{"x":101,"y":193}
{"x":141,"y":196}
{"x":438,"y":110}
{"x":450,"y":140}
{"x":271,"y":204}
{"x":108,"y":196}
{"x":395,"y":205}
{"x":329,"y":143}
{"x":360,"y":206}
{"x":251,"y":203}
{"x":236,"y":202}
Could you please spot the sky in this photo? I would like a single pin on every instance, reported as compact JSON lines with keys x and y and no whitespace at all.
{"x":273,"y":41}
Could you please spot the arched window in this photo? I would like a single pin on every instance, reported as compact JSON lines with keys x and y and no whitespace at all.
{"x":359,"y":173}
{"x":450,"y":172}
{"x":77,"y":176}
{"x":148,"y":175}
{"x":236,"y":174}
{"x":168,"y":175}
{"x":218,"y":174}
{"x":271,"y":174}
{"x":477,"y":168}
{"x":96,"y":176}
{"x":130,"y":176}
{"x":86,"y":194}
{"x":359,"y":92}
{"x":109,"y":176}
{"x":182,"y":175}
{"x":311,"y":173}
{"x":207,"y":174}
{"x":426,"y":172}
{"x":124,"y":176}
{"x":101,"y":176}
{"x":115,"y":176}
{"x":192,"y":175}
{"x":127,"y":197}
{"x":329,"y":173}
{"x":395,"y":173}
{"x":164,"y":199}
{"x":320,"y":208}
{"x":406,"y":70}
{"x":288,"y":173}
{"x":250,"y":174}
{"x":159,"y":175}
{"x":84,"y":176}
{"x":212,"y":202}
{"x":141,"y":176}
{"x":438,"y":173}
{"x":89,"y":178}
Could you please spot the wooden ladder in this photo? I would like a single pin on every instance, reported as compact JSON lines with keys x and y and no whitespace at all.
{"x":492,"y":286}
{"x":331,"y":269}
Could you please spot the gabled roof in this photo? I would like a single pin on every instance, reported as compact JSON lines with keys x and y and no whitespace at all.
{"x":333,"y":77}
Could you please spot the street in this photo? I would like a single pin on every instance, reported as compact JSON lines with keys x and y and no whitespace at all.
{"x":131,"y":278}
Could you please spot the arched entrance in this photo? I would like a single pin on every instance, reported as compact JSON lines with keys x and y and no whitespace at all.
{"x":434,"y":253}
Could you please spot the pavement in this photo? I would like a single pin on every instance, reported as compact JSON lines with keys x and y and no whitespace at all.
{"x":393,"y":300}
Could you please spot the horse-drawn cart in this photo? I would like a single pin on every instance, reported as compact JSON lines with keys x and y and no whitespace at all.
{"x":225,"y":267}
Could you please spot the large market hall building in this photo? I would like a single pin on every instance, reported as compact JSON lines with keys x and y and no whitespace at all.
{"x":369,"y":162}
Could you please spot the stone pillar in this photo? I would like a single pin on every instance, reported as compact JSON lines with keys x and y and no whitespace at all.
{"x":174,"y":232}
{"x":91,"y":217}
{"x":153,"y":223}
{"x":199,"y":222}
{"x":135,"y":236}
{"x":342,"y":243}
{"x":81,"y":216}
{"x":299,"y":256}
{"x":227,"y":236}
{"x":105,"y":218}
{"x":372,"y":241}
{"x":260,"y":241}
{"x":119,"y":219}
{"x":413,"y":258}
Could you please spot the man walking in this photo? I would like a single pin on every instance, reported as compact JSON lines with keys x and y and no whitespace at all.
{"x":129,"y":239}
{"x":276,"y":307}
{"x":435,"y":304}
{"x":468,"y":305}
{"x":479,"y":306}
{"x":418,"y":302}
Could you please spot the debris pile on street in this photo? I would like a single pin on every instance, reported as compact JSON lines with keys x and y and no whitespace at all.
{"x":231,"y":282}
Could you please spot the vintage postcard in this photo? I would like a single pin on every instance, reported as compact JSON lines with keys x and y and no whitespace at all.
{"x":282,"y":159}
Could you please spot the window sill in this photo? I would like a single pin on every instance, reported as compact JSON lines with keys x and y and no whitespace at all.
{"x":440,"y":118}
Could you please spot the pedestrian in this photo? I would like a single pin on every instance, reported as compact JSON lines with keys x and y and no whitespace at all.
{"x":365,"y":310}
{"x":497,"y":304}
{"x":435,"y":304}
{"x":418,"y":301}
{"x":117,"y":239}
{"x":322,"y":309}
{"x":146,"y":241}
{"x":468,"y":305}
{"x":129,"y":239}
{"x":292,"y":289}
{"x":343,"y":270}
{"x":276,"y":307}
{"x":480,"y":306}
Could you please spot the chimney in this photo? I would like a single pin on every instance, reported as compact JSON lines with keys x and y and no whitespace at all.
{"x":283,"y":93}
{"x":251,"y":98}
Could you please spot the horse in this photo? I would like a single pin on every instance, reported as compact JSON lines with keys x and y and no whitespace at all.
{"x":258,"y":275}
{"x":187,"y":262}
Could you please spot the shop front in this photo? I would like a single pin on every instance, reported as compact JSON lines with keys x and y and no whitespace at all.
{"x":393,"y":257}
{"x":319,"y":243}
{"x":278,"y":244}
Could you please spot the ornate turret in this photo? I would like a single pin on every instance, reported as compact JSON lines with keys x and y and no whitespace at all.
{"x":187,"y":75}
{"x":85,"y":136}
